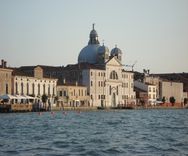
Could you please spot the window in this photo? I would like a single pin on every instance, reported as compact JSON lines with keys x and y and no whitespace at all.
{"x":149,"y":89}
{"x":91,"y":83}
{"x":60,"y":93}
{"x":38,"y":89}
{"x":149,"y":96}
{"x":44,"y":88}
{"x":16,"y":87}
{"x":91,"y":73}
{"x":153,"y":96}
{"x":64,"y":93}
{"x":99,"y":97}
{"x":126,"y":85}
{"x":27,"y":88}
{"x":99,"y":83}
{"x":33,"y":87}
{"x":53,"y":90}
{"x":48,"y":89}
{"x":21,"y":88}
{"x":153,"y":89}
{"x":110,"y":90}
{"x":6,"y":88}
{"x":113,"y":75}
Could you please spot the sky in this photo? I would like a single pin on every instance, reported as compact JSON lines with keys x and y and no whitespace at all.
{"x":152,"y":33}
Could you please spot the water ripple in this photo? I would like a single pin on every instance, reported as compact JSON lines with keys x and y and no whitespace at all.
{"x":127,"y":132}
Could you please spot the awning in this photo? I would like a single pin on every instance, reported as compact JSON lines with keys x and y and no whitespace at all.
{"x":28,"y":97}
{"x":7,"y":96}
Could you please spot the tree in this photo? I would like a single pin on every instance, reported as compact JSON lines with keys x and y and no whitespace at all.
{"x":163,"y":99}
{"x":172,"y":100}
{"x":44,"y":99}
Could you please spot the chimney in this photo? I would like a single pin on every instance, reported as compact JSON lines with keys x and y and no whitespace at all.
{"x":5,"y":64}
{"x":2,"y":63}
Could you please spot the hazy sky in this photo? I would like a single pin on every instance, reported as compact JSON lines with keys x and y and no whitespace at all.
{"x":52,"y":32}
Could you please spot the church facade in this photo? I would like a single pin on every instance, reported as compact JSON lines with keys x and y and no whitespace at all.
{"x":102,"y":72}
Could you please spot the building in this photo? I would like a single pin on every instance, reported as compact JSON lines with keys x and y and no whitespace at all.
{"x":108,"y":84}
{"x":34,"y":84}
{"x":101,"y":71}
{"x":5,"y":79}
{"x":72,"y":95}
{"x":169,"y":89}
{"x":151,"y":96}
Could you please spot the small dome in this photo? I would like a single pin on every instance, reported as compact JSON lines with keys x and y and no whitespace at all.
{"x":103,"y":49}
{"x":93,"y":33}
{"x":89,"y":54}
{"x":115,"y":51}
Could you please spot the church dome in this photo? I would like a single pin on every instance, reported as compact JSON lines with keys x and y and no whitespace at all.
{"x":89,"y":54}
{"x":115,"y":51}
{"x":103,"y":49}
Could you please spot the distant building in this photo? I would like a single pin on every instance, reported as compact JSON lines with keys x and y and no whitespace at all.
{"x":166,"y":88}
{"x":101,"y":71}
{"x":108,"y":84}
{"x":34,"y":84}
{"x":5,"y":79}
{"x":72,"y":95}
{"x":171,"y":89}
{"x":150,"y":92}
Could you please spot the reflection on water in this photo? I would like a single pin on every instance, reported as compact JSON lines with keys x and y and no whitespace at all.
{"x":125,"y":132}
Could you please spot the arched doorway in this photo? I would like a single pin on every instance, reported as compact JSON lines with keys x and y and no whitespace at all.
{"x":113,"y":100}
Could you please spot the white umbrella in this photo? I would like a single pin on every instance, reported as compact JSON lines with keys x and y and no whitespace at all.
{"x":7,"y":96}
{"x":28,"y":97}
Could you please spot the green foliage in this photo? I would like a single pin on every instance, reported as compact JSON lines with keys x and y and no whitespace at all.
{"x":163,"y":99}
{"x":172,"y":100}
{"x":44,"y":98}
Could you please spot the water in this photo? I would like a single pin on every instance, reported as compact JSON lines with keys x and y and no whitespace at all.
{"x":124,"y":132}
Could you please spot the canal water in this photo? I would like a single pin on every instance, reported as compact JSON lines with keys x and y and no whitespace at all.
{"x":95,"y":133}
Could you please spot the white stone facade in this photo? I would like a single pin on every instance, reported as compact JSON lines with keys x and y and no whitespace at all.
{"x":24,"y":85}
{"x":109,"y":87}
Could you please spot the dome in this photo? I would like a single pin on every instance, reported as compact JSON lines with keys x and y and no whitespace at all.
{"x":103,"y":49}
{"x":89,"y":54}
{"x":93,"y":33}
{"x":115,"y":51}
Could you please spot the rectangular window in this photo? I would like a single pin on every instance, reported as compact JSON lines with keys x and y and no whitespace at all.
{"x":6,"y":88}
{"x":64,"y":93}
{"x":99,"y":96}
{"x":153,"y":89}
{"x":153,"y":96}
{"x":99,"y":83}
{"x":91,"y":83}
{"x":60,"y":93}
{"x":149,"y":89}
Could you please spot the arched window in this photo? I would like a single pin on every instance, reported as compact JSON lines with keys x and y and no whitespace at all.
{"x":27,"y":88}
{"x":113,"y":75}
{"x":44,"y":88}
{"x":38,"y":89}
{"x":16,"y":87}
{"x":33,"y":87}
{"x":6,"y":88}
{"x":21,"y":88}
